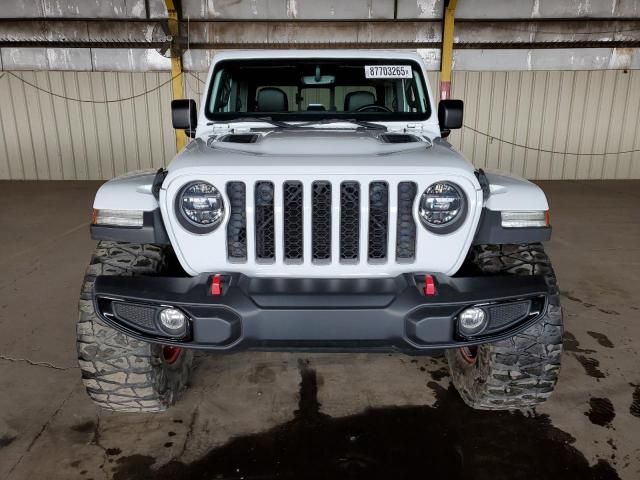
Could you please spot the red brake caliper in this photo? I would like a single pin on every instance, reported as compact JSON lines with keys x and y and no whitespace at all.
{"x":469,"y":354}
{"x":171,"y":354}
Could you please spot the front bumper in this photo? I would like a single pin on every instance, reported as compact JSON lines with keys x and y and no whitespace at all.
{"x":382,"y":314}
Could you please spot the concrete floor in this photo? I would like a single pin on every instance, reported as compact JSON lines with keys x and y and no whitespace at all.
{"x":260,"y":415}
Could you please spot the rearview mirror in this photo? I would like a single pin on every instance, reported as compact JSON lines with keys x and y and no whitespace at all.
{"x":450,"y":114}
{"x":184,"y":116}
{"x":321,"y":80}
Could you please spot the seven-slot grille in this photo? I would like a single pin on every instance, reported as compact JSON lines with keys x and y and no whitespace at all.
{"x":290,"y":201}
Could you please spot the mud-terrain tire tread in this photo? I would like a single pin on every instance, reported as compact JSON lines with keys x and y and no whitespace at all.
{"x":119,"y":372}
{"x":522,"y":371}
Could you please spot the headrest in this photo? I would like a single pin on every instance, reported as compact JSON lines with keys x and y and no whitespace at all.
{"x":355,"y":100}
{"x":271,"y":99}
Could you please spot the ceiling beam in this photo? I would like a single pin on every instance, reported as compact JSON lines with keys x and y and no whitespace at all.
{"x":318,"y":34}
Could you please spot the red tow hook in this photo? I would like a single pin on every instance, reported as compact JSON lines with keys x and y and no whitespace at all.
{"x":216,"y":285}
{"x":429,"y":286}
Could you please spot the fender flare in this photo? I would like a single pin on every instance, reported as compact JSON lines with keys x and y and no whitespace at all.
{"x":134,"y":191}
{"x":508,"y":192}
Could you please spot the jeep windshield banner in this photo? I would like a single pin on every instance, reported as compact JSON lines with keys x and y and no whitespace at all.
{"x":315,"y":89}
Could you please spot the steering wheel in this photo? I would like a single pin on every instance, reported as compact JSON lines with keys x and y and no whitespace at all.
{"x":373,"y":107}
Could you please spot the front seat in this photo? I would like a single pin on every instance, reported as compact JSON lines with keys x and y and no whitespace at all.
{"x":271,"y":99}
{"x":355,"y":100}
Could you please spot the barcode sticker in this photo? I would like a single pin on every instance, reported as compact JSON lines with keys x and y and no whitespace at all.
{"x":387,"y":71}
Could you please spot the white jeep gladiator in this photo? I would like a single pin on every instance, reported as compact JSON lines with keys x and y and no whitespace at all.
{"x":318,"y":208}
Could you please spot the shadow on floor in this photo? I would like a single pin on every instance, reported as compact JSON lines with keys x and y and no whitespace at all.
{"x":446,"y":440}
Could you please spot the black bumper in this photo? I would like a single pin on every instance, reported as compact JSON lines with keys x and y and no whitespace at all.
{"x":386,"y":315}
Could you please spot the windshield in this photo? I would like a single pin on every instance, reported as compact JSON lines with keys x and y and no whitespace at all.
{"x":312,"y":89}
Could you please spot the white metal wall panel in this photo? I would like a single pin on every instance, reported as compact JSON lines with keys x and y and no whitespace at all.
{"x":45,"y":136}
{"x":55,"y":137}
{"x":568,"y":112}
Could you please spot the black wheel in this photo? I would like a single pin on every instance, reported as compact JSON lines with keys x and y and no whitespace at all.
{"x":522,"y":371}
{"x":119,"y":372}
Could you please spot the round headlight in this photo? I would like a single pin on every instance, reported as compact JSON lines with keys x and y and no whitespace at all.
{"x":442,"y":207}
{"x":200,"y":207}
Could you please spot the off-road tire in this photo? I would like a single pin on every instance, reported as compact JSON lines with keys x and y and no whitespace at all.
{"x":522,"y":371}
{"x":119,"y":372}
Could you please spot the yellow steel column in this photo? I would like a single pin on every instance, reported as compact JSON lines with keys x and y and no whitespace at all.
{"x":177,"y":77}
{"x":446,"y":57}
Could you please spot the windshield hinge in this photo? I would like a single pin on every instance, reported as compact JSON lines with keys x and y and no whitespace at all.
{"x":220,"y":128}
{"x":414,"y":127}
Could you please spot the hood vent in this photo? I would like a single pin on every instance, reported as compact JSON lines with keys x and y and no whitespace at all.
{"x":240,"y":138}
{"x":398,"y":138}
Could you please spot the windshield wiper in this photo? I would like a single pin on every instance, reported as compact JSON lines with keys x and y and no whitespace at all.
{"x":325,"y":121}
{"x":360,"y":123}
{"x":268,"y":120}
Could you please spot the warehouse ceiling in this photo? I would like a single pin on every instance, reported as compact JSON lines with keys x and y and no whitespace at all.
{"x":133,"y":34}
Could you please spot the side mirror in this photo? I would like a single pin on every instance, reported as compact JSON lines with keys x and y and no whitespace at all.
{"x":450,"y":115}
{"x":184,"y":116}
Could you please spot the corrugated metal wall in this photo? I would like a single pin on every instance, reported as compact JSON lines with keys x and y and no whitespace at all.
{"x":45,"y":136}
{"x":581,"y":112}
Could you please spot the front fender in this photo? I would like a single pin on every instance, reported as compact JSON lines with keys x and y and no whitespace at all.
{"x":511,"y":192}
{"x":508,"y":192}
{"x":131,"y":192}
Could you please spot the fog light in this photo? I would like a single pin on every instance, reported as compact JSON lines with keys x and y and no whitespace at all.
{"x":172,"y":319}
{"x":472,"y":320}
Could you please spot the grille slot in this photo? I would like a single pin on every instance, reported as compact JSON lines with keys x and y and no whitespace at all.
{"x":349,"y":221}
{"x":264,"y":222}
{"x":237,"y":226}
{"x":406,"y":225}
{"x":321,"y":221}
{"x":378,"y":220}
{"x":293,"y":235}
